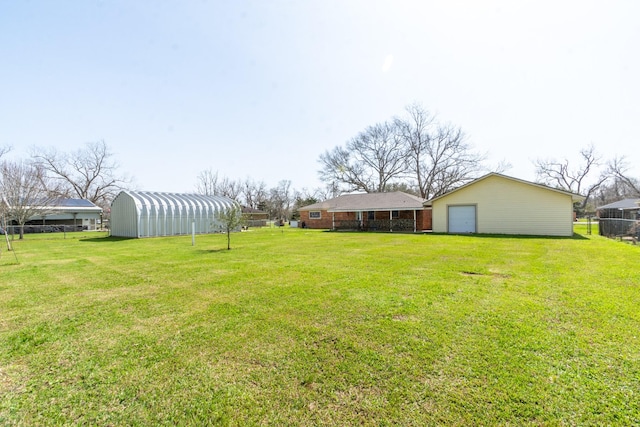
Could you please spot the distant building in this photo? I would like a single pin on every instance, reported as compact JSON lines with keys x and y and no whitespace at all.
{"x":254,"y":217}
{"x":622,"y":209}
{"x":395,"y":211}
{"x":66,"y":214}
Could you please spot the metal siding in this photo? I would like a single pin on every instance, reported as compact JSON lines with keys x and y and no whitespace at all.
{"x":149,"y":214}
{"x":124,"y":216}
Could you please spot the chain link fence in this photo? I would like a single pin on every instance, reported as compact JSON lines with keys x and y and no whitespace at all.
{"x":616,"y":227}
{"x":14,"y":230}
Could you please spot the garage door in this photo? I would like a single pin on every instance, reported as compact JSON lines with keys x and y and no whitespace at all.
{"x":462,"y":219}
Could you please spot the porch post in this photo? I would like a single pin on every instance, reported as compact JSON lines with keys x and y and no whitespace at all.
{"x":391,"y":221}
{"x":415,"y":227}
{"x":333,"y":220}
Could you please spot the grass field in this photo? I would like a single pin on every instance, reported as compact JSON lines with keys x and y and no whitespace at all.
{"x":300,"y":327}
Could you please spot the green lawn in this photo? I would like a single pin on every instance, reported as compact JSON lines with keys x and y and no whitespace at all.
{"x":303,"y":327}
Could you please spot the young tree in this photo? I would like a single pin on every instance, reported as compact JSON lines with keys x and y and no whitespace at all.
{"x":231,"y":219}
{"x":23,"y":196}
{"x":89,"y":173}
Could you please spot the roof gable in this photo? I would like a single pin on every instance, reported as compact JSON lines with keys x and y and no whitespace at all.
{"x":575,"y":197}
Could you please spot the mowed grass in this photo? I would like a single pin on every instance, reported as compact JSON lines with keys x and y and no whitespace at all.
{"x":302,"y":327}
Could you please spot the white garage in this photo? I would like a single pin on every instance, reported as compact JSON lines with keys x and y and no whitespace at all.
{"x":151,"y":214}
{"x":500,"y":204}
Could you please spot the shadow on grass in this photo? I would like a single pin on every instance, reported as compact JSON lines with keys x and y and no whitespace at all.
{"x":106,"y":239}
{"x":575,"y":236}
{"x":213,"y":251}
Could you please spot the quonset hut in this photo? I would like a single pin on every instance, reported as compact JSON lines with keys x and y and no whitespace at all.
{"x":151,"y":214}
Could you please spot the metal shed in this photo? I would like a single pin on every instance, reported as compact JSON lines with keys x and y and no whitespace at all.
{"x":151,"y":214}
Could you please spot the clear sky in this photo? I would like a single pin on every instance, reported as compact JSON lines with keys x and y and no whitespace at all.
{"x":260,"y":89}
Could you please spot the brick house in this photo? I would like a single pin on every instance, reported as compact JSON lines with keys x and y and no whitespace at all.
{"x":395,"y":211}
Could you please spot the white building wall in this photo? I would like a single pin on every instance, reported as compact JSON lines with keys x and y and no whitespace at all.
{"x":506,"y":206}
{"x":124,"y":216}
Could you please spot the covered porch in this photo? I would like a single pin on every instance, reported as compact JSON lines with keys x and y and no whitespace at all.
{"x":381,"y":220}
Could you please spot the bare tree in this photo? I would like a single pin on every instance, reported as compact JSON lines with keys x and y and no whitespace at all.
{"x":561,"y":174}
{"x":416,"y":130}
{"x":451,"y":162}
{"x":255,"y":193}
{"x":23,"y":196}
{"x":370,"y":161}
{"x":414,"y":152}
{"x":207,"y":182}
{"x":229,"y":188}
{"x":438,"y":157}
{"x":338,"y":168}
{"x":278,"y":205}
{"x":89,"y":173}
{"x":618,"y":169}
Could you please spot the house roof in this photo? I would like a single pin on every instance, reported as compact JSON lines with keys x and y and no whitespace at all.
{"x":574,"y":197}
{"x":396,"y":201}
{"x":74,"y":205}
{"x":626,"y":204}
{"x":64,"y":205}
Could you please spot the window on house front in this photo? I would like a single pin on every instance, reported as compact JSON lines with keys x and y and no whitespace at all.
{"x":314,"y":215}
{"x":371,"y":215}
{"x":395,"y":214}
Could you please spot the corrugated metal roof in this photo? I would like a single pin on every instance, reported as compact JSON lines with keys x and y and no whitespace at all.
{"x":155,"y":198}
{"x":396,"y":200}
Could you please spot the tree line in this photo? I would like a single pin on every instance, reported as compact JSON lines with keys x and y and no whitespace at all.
{"x":279,"y":202}
{"x":29,"y":186}
{"x":414,"y":152}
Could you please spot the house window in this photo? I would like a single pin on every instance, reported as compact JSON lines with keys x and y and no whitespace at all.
{"x":314,"y":215}
{"x":395,"y":214}
{"x":371,"y":215}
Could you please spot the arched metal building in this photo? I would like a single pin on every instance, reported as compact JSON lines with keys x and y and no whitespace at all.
{"x":151,"y":214}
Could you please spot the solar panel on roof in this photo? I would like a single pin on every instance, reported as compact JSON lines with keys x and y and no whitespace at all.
{"x":75,"y":203}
